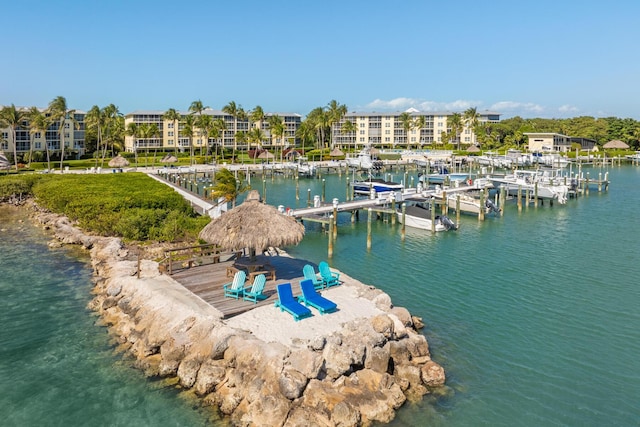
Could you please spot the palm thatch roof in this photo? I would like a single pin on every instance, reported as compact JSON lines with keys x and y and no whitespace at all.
{"x":473,"y":149}
{"x":336,"y":152}
{"x":253,"y":225}
{"x":616,"y":143}
{"x":4,"y":162}
{"x":266,"y":155}
{"x":118,"y":162}
{"x":169,"y":158}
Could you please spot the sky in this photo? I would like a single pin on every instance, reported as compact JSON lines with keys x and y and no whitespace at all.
{"x":552,"y":59}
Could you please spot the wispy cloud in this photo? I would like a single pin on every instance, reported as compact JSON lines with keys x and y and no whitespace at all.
{"x":401,"y":104}
{"x":568,"y":109}
{"x":517,"y":108}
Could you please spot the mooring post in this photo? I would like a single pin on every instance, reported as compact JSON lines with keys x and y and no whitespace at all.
{"x":483,"y":197}
{"x":264,"y":190}
{"x":347,"y":199}
{"x":599,"y":182}
{"x":535,"y":194}
{"x":519,"y":198}
{"x":445,"y":203}
{"x":308,"y":197}
{"x":503,"y":197}
{"x":297,"y":189}
{"x":587,"y":184}
{"x":330,"y":248}
{"x":323,"y":189}
{"x":369,"y":214}
{"x":335,"y":218}
{"x":458,"y":209}
{"x":404,"y":213}
{"x":433,"y":215}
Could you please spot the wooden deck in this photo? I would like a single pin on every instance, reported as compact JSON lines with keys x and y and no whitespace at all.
{"x":206,"y":281}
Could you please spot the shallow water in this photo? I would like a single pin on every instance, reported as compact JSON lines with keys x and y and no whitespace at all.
{"x":533,"y":315}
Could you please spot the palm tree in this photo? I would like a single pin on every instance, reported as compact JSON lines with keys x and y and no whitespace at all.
{"x":471,"y":118}
{"x":256,"y":136}
{"x":349,"y":128}
{"x":148,"y":131}
{"x":277,"y":131}
{"x":32,"y":114}
{"x":420,"y":123}
{"x":257,"y":116}
{"x":228,"y":186}
{"x":205,"y":125}
{"x":172,"y":115}
{"x":407,"y":124}
{"x":236,"y":112}
{"x":59,"y":112}
{"x":197,"y":107}
{"x":218,"y":129}
{"x":188,"y":131}
{"x":39,"y":122}
{"x":335,"y":112}
{"x":95,"y":119}
{"x":455,"y":124}
{"x":111,"y":116}
{"x":12,"y":118}
{"x":133,"y":130}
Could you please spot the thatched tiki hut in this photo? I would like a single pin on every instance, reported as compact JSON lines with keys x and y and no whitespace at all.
{"x":118,"y":162}
{"x":253,"y":225}
{"x":616,"y":144}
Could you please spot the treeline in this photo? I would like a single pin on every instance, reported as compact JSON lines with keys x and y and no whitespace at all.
{"x":510,"y":132}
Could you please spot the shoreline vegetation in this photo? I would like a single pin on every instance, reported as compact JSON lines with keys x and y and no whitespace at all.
{"x":356,"y":372}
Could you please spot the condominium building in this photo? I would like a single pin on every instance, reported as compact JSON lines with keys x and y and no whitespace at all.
{"x":170,"y":138}
{"x":388,"y":129}
{"x":74,"y":136}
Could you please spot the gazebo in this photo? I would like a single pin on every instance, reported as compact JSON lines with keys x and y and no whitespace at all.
{"x":118,"y":162}
{"x":253,"y":225}
{"x":616,"y":144}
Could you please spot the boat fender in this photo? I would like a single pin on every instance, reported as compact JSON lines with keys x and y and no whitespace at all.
{"x":469,"y":181}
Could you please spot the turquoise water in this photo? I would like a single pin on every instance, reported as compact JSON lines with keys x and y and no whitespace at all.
{"x":56,"y":366}
{"x":533,"y":315}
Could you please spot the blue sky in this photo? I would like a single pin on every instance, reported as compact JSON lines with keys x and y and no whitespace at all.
{"x":534,"y":59}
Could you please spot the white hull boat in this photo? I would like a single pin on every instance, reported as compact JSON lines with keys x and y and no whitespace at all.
{"x":419,"y":216}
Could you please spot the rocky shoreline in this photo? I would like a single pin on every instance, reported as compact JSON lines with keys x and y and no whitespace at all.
{"x":360,"y":374}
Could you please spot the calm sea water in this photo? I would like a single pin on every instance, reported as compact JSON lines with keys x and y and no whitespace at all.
{"x":533,"y":315}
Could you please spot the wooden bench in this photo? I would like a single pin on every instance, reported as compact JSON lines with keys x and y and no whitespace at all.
{"x":269,"y":272}
{"x":188,"y":257}
{"x":231,"y":271}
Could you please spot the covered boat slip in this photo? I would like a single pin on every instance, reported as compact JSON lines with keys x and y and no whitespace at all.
{"x":206,"y":281}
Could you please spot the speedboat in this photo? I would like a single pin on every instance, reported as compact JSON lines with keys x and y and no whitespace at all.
{"x":419,"y":215}
{"x":364,"y":160}
{"x":366,"y":187}
{"x":545,"y":182}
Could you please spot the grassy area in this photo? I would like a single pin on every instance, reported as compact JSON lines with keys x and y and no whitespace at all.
{"x":132,"y":205}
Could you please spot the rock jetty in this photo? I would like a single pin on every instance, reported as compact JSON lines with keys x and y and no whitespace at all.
{"x":360,"y":373}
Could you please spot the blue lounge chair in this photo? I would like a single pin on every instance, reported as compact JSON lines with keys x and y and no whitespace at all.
{"x":235,"y":289}
{"x":328,"y":277}
{"x":311,"y":298}
{"x":254,"y":292}
{"x":287,"y":302}
{"x":309,"y":273}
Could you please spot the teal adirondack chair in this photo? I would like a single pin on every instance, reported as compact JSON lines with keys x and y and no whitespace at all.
{"x":310,"y":274}
{"x":329,"y":278}
{"x":254,"y":292}
{"x":235,"y":289}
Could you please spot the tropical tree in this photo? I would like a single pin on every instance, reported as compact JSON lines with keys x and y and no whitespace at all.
{"x":197,"y":108}
{"x":257,"y":116}
{"x":188,"y":130}
{"x":228,"y":186}
{"x":39,"y":122}
{"x":419,"y":123}
{"x":12,"y":118}
{"x":277,"y":131}
{"x":407,"y":124}
{"x":318,"y":120}
{"x":32,"y":114}
{"x":456,"y":125}
{"x":236,"y":112}
{"x":95,"y":120}
{"x":205,"y":128}
{"x":59,"y":112}
{"x":147,"y":131}
{"x":172,"y":115}
{"x":256,"y":136}
{"x":349,"y":128}
{"x":335,"y":112}
{"x":471,"y":118}
{"x":218,"y":129}
{"x":133,"y":130}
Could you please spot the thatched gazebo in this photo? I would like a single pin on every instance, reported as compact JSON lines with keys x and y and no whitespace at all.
{"x":118,"y":162}
{"x":4,"y":162}
{"x":254,"y":225}
{"x":169,"y":158}
{"x":266,"y":155}
{"x":336,"y":152}
{"x":473,"y":149}
{"x":616,"y":144}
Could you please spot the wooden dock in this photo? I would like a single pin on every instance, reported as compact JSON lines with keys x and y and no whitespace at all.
{"x":206,"y":281}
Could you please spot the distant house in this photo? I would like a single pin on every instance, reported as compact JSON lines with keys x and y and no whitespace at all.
{"x":548,"y":142}
{"x":585,"y":143}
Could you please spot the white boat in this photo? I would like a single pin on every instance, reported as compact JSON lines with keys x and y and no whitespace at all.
{"x":366,"y":187}
{"x":419,"y":215}
{"x":469,"y":203}
{"x":553,"y":160}
{"x":364,"y":160}
{"x":548,"y":184}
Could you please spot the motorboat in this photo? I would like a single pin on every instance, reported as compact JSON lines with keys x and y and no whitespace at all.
{"x":546,"y":182}
{"x":366,"y":187}
{"x":419,"y":215}
{"x":468,"y":203}
{"x":364,"y":160}
{"x":442,"y":176}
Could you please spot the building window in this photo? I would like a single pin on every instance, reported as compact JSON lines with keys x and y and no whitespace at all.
{"x":387,"y":132}
{"x":361,"y":124}
{"x":170,"y":125}
{"x":170,"y":133}
{"x":361,"y":139}
{"x":387,"y":139}
{"x":361,"y":132}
